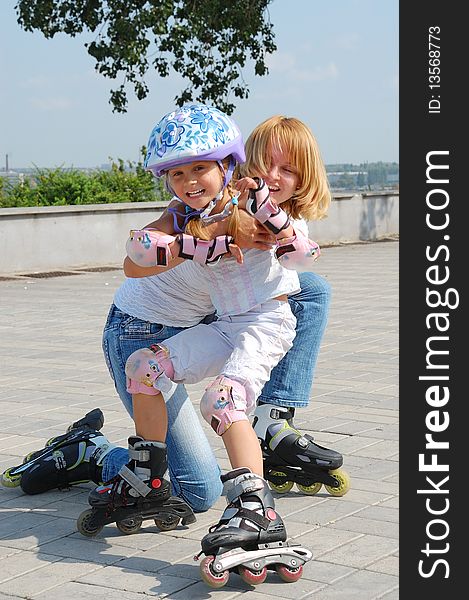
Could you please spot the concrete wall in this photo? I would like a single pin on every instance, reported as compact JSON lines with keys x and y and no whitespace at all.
{"x":67,"y":237}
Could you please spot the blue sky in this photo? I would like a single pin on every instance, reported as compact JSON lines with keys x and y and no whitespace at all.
{"x":336,"y":68}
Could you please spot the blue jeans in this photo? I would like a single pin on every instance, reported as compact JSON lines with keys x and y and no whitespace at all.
{"x":291,"y":380}
{"x":193,"y":468}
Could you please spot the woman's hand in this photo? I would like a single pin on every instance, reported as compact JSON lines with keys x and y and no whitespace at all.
{"x":253,"y":234}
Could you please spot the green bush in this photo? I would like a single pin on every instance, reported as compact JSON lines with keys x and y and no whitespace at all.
{"x":60,"y":187}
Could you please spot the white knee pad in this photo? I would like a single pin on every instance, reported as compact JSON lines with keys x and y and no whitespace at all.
{"x":223,"y":403}
{"x":150,"y":371}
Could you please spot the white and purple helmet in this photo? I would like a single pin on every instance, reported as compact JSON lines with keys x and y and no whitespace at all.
{"x":193,"y":132}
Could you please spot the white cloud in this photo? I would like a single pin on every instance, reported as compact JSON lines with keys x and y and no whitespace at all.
{"x":318,"y":73}
{"x":38,"y":81}
{"x":286,"y":64}
{"x":347,"y":41}
{"x":280,"y":62}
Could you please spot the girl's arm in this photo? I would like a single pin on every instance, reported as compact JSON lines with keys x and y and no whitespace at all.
{"x":294,"y":249}
{"x":156,"y":248}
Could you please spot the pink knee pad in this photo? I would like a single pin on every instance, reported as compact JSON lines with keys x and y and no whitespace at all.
{"x":149,"y":371}
{"x":223,"y":403}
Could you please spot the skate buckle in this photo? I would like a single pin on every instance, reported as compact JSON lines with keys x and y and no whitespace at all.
{"x":303,"y":442}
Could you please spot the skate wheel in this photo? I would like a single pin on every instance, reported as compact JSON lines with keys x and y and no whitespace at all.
{"x":284,"y":486}
{"x":252,"y":577}
{"x":84,"y":525}
{"x":10,"y":481}
{"x":288,"y":574}
{"x":31,"y":455}
{"x":310,"y":490}
{"x":214,"y":580}
{"x":167,"y":524}
{"x":281,"y":488}
{"x":129,"y":526}
{"x":344,"y":483}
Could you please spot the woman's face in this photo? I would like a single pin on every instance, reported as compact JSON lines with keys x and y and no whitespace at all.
{"x":282,"y":177}
{"x":197,"y":183}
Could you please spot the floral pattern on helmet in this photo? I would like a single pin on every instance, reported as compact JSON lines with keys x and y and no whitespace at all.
{"x":191,"y":131}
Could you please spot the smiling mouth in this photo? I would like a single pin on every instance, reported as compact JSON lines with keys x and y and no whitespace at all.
{"x":273,"y":189}
{"x":195,"y":194}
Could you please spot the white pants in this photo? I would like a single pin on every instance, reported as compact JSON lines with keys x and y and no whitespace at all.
{"x":243,"y":347}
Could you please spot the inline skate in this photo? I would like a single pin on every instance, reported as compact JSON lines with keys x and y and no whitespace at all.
{"x":138,"y":492}
{"x":68,"y":459}
{"x":250,"y":537}
{"x":291,"y":457}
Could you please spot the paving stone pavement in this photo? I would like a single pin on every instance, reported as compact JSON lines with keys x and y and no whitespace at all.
{"x":52,"y":372}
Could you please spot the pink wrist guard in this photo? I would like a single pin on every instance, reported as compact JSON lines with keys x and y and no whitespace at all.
{"x":149,"y":248}
{"x":203,"y":251}
{"x":261,"y":206}
{"x":297,"y":252}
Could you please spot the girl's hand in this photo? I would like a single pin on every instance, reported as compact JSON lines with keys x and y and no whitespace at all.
{"x":237,"y":253}
{"x":244,"y":185}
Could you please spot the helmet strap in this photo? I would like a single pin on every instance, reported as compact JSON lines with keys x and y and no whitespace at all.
{"x":227,"y":175}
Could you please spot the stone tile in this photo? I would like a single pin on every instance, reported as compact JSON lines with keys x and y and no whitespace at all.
{"x":354,"y":408}
{"x":142,"y":582}
{"x":361,"y":551}
{"x":83,"y":591}
{"x":20,"y":563}
{"x":360,"y":585}
{"x":40,"y":534}
{"x":76,"y":546}
{"x":51,"y":576}
{"x":389,"y":565}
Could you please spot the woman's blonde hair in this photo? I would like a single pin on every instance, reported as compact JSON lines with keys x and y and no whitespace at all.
{"x":290,"y":135}
{"x":196,"y":227}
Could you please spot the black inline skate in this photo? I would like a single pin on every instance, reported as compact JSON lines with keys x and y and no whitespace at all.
{"x":138,"y":492}
{"x":291,"y":457}
{"x":68,"y":459}
{"x":250,"y":537}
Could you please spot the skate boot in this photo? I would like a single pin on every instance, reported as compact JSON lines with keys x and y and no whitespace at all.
{"x":291,"y":457}
{"x":138,"y":492}
{"x":68,"y":459}
{"x":250,"y":537}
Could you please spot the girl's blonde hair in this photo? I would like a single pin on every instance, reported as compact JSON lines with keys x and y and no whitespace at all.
{"x":196,"y":227}
{"x":290,"y":135}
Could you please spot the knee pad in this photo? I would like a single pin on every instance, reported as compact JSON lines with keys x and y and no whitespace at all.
{"x":223,"y":403}
{"x":150,"y":371}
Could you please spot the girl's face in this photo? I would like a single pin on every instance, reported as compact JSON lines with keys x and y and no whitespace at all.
{"x":282,"y":177}
{"x":197,"y":183}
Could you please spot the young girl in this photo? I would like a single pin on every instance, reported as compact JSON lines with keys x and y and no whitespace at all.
{"x":139,"y":316}
{"x":255,"y":325}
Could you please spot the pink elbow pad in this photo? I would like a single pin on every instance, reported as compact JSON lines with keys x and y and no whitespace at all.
{"x":149,"y":248}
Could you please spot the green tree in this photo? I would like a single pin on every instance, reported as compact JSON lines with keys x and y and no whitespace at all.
{"x":207,"y":42}
{"x":60,"y":187}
